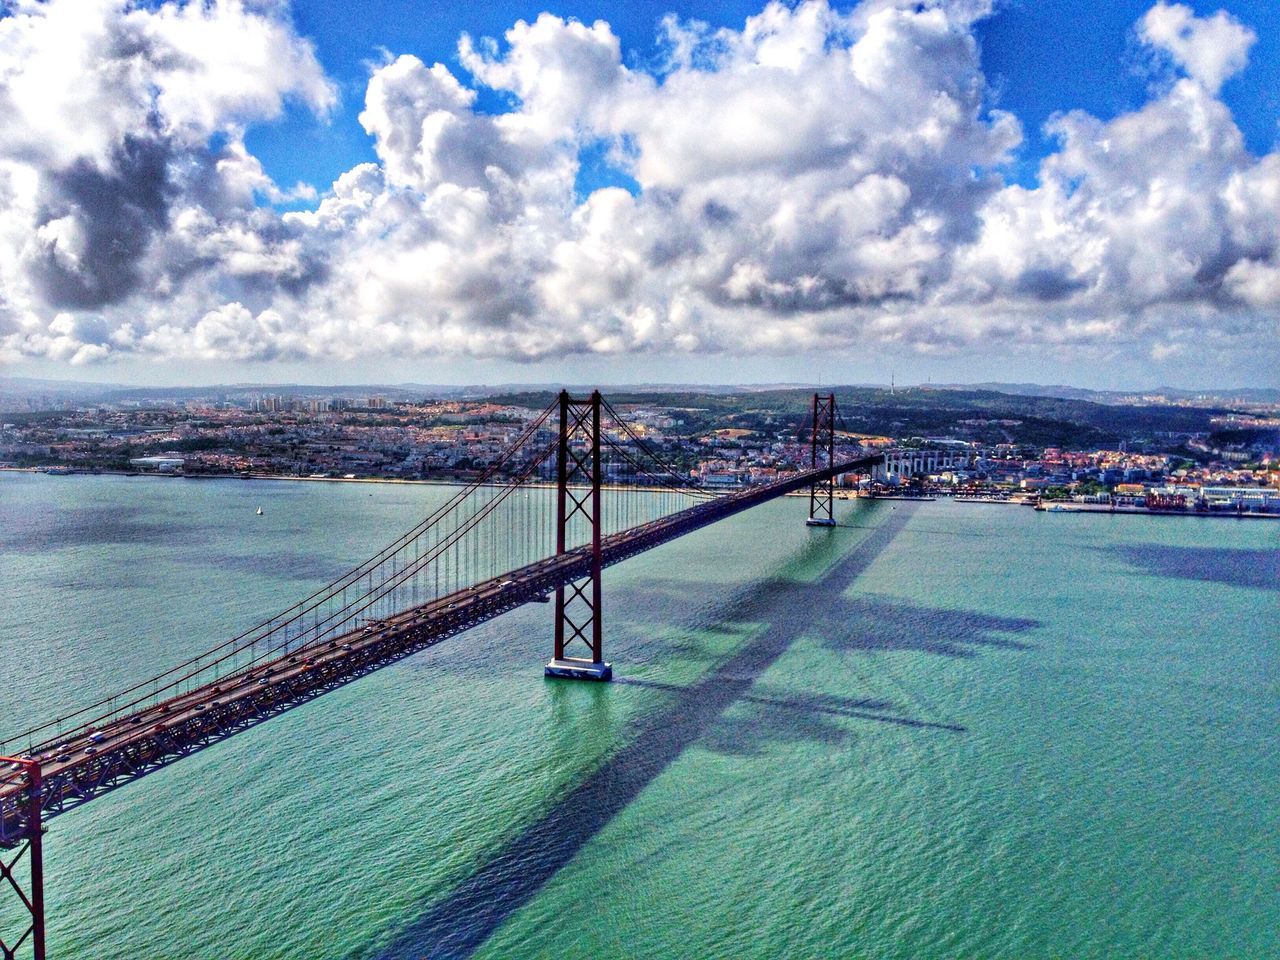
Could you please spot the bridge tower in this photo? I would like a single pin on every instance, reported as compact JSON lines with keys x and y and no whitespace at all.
{"x":578,"y":604}
{"x":28,"y":844}
{"x":823,"y":437}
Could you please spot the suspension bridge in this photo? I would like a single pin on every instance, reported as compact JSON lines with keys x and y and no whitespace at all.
{"x":578,"y":490}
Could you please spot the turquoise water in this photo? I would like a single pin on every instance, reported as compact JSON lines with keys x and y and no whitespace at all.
{"x":938,"y":730}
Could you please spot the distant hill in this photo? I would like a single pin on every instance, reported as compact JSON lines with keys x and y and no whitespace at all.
{"x":30,"y":386}
{"x":987,"y":415}
{"x":1154,"y":395}
{"x":1030,"y":414}
{"x":23,"y":387}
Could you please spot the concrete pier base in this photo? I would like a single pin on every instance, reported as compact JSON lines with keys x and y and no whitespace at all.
{"x":574,"y":669}
{"x":819,"y":522}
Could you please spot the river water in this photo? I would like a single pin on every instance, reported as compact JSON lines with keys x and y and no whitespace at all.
{"x":937,"y":730}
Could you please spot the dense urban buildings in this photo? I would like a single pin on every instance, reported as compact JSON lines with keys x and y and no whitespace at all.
{"x":1214,"y":459}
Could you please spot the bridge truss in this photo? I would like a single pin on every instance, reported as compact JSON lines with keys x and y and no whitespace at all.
{"x":578,"y":489}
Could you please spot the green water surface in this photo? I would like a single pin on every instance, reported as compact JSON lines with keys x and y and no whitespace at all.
{"x":937,"y":730}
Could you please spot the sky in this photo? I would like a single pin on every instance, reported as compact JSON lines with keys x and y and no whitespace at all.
{"x":955,"y":191}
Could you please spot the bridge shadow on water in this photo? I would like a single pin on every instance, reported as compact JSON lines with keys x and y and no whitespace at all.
{"x":1233,"y":566}
{"x":457,"y":925}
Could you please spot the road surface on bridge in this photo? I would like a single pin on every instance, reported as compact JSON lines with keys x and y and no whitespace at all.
{"x":84,"y":764}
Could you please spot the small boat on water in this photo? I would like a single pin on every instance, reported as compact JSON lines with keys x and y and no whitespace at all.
{"x":258,"y":512}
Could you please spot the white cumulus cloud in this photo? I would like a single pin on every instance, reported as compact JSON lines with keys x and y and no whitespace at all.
{"x":1210,"y":49}
{"x":812,"y":180}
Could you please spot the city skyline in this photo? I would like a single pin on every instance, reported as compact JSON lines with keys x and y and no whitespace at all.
{"x":641,"y":193}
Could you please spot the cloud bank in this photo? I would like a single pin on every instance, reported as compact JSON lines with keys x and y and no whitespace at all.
{"x":815,"y":180}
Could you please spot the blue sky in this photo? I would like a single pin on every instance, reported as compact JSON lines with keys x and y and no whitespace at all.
{"x":954,"y":190}
{"x":1041,"y":56}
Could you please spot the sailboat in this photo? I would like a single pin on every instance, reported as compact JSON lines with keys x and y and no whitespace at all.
{"x":258,"y":512}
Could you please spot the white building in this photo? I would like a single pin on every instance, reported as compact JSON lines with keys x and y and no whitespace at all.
{"x":159,"y":464}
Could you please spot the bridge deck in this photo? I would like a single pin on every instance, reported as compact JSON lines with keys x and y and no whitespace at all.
{"x":89,"y":762}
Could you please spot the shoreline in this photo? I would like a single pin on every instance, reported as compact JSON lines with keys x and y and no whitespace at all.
{"x":152,"y":475}
{"x":1066,"y":507}
{"x":1144,"y":512}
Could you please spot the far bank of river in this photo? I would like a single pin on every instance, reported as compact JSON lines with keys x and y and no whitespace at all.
{"x":1056,"y":506}
{"x":395,"y":481}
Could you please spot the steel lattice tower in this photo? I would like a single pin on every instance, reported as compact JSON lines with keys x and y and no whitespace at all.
{"x":578,"y":477}
{"x":823,"y":436}
{"x":30,"y":847}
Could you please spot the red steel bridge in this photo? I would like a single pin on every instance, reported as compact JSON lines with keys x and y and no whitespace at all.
{"x":578,"y":490}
